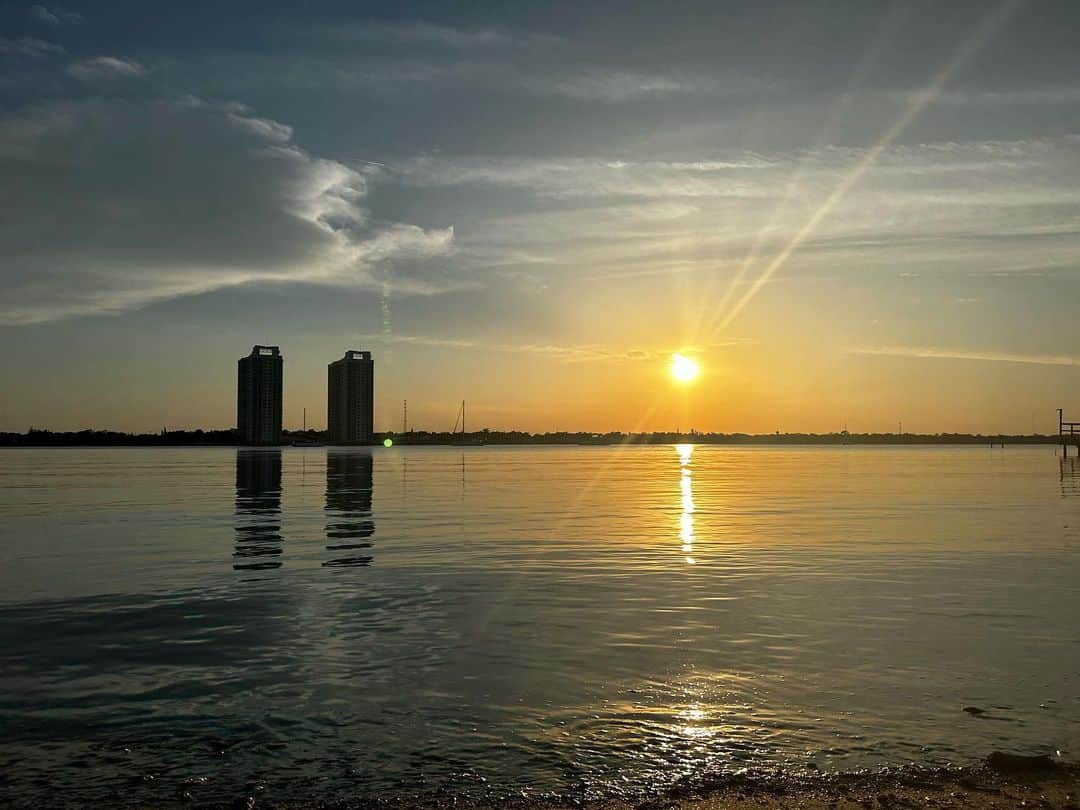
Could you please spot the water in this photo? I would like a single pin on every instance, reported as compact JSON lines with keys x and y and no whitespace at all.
{"x":585,"y":621}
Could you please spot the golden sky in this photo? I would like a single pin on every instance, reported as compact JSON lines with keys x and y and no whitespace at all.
{"x":844,"y":215}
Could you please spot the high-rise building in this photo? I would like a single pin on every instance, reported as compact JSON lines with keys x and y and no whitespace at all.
{"x":258,"y":396}
{"x":350,"y":399}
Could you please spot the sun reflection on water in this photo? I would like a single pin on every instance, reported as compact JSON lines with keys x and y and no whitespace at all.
{"x":686,"y":518}
{"x":691,"y":718}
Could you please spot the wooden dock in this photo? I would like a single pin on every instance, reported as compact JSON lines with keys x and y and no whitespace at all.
{"x":1069,"y":433}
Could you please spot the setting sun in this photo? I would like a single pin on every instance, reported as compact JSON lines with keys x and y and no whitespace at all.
{"x":683,"y":368}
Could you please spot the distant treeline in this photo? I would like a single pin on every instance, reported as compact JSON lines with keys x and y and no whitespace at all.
{"x":177,"y":438}
{"x":520,"y":437}
{"x":113,"y":438}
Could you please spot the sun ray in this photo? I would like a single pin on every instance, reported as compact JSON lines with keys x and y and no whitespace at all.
{"x":865,"y":67}
{"x":915,"y":106}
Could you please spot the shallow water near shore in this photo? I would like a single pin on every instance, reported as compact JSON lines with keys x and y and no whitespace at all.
{"x":589,"y":621}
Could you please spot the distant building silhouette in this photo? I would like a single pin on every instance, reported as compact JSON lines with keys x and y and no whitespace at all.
{"x":350,"y":399}
{"x":258,"y":396}
{"x":258,"y":510}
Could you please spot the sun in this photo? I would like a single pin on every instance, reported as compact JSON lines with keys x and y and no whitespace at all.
{"x":683,"y":369}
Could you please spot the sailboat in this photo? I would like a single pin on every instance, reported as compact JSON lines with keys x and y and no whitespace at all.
{"x":305,"y":440}
{"x":461,"y":438}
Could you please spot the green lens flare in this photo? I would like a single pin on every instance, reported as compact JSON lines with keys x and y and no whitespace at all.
{"x":387,"y":442}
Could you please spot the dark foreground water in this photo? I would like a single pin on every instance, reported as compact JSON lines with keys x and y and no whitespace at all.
{"x":566,"y":620}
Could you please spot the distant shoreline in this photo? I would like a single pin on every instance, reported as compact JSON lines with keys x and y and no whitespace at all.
{"x":230,"y":438}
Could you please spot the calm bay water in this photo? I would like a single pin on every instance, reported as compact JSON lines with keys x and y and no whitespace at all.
{"x":585,"y":620}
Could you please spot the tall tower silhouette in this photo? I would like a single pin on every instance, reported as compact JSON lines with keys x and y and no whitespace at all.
{"x":350,"y":399}
{"x":258,"y":396}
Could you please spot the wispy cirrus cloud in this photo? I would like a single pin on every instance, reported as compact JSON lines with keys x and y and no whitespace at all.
{"x":419,"y":32}
{"x":511,"y":79}
{"x":576,"y":353}
{"x":105,"y":67}
{"x":984,"y":205}
{"x":564,"y":178}
{"x":937,"y":353}
{"x":615,"y":86}
{"x":29,"y":47}
{"x":1050,"y":94}
{"x":54,"y":15}
{"x":898,"y":170}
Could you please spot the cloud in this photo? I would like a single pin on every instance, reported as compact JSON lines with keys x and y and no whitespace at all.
{"x":409,"y":242}
{"x":28,"y":47}
{"x":419,"y":33}
{"x":1053,"y":95}
{"x":925,"y":208}
{"x":54,"y":16}
{"x":580,"y":353}
{"x":611,"y":86}
{"x":614,"y":86}
{"x":105,"y":67}
{"x":899,"y":170}
{"x":446,"y":35}
{"x":583,"y":177}
{"x":114,"y":204}
{"x":501,"y":62}
{"x":932,"y":353}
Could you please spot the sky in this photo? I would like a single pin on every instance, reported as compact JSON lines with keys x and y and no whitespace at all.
{"x":848,"y":213}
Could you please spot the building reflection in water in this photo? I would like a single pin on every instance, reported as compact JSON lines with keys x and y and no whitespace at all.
{"x":686,"y":489}
{"x":258,"y":510}
{"x":349,"y":522}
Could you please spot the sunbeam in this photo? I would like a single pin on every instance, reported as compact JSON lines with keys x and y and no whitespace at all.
{"x":917,"y":104}
{"x":865,"y":68}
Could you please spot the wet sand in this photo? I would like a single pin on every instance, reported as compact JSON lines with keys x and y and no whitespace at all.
{"x":1001,"y":783}
{"x":974,"y":788}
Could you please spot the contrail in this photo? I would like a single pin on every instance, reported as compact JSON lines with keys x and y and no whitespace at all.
{"x":933,"y":353}
{"x":915,"y":107}
{"x":387,"y":325}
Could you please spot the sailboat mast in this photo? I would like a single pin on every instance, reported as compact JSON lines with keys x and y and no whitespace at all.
{"x":463,"y":418}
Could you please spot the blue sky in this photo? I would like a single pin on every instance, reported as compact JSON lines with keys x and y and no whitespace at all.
{"x":848,"y":211}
